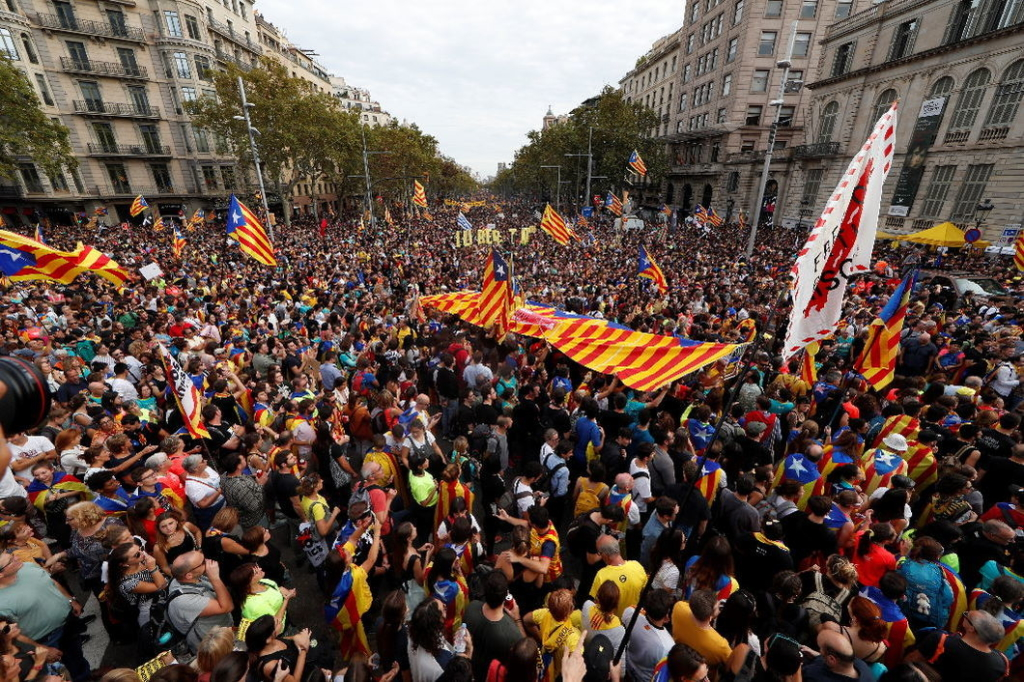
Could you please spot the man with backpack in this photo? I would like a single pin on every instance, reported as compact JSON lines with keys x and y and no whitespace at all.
{"x":197,"y":599}
{"x":376,"y":499}
{"x":555,"y":459}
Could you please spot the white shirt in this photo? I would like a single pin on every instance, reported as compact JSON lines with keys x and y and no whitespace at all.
{"x":34,"y":445}
{"x":9,"y":487}
{"x":641,"y":485}
{"x":197,"y":488}
{"x":524,"y":503}
{"x":124,"y":388}
{"x":647,"y":645}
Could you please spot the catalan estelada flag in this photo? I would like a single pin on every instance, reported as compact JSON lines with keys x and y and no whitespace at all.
{"x":25,"y":259}
{"x":419,"y":194}
{"x":179,"y":242}
{"x":159,"y":225}
{"x":495,"y":302}
{"x":743,"y":220}
{"x":1018,"y":251}
{"x":647,"y":268}
{"x":877,"y":362}
{"x":700,"y":215}
{"x":102,"y":210}
{"x":554,"y":224}
{"x":138,"y":206}
{"x":245,"y":227}
{"x":350,"y":599}
{"x":636,"y":163}
{"x":95,"y":261}
{"x":808,"y":370}
{"x":715,"y":219}
{"x":187,"y":396}
{"x":39,"y":234}
{"x":38,"y":493}
{"x":613,"y":204}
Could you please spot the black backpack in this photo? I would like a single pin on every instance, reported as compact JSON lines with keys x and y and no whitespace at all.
{"x":160,"y":631}
{"x":544,"y":482}
{"x":574,"y":539}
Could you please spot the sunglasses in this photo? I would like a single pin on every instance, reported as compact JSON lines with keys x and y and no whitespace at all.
{"x":6,"y":629}
{"x":967,"y":619}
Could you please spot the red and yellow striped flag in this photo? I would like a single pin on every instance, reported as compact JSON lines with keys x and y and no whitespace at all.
{"x":245,"y":227}
{"x":495,"y":302}
{"x":93,"y":260}
{"x":419,"y":194}
{"x":24,"y":259}
{"x":554,"y":224}
{"x":808,"y":370}
{"x":1018,"y":251}
{"x":877,"y":362}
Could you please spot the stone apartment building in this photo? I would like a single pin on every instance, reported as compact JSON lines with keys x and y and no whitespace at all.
{"x":117,"y":74}
{"x":713,"y":80}
{"x":957,"y":69}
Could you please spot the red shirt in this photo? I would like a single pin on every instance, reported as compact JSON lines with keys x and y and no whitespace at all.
{"x":873,"y":565}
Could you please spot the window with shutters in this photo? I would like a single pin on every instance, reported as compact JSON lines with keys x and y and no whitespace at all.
{"x":882,"y":104}
{"x":903,"y":40}
{"x":942,"y":87}
{"x":843,"y":60}
{"x":829,"y":116}
{"x":969,"y":103}
{"x":1008,"y":95}
{"x":812,"y":184}
{"x":962,"y":20}
{"x":971,"y":191}
{"x":938,"y":189}
{"x":759,"y":81}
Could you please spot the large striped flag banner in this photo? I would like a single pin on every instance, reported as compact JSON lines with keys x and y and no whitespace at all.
{"x":647,"y":268}
{"x":554,"y":224}
{"x":25,"y":259}
{"x":839,"y":247}
{"x":245,"y":228}
{"x":902,"y":424}
{"x":613,"y":204}
{"x":877,"y":362}
{"x":495,"y":302}
{"x":1018,"y":251}
{"x":95,"y":261}
{"x":637,"y":164}
{"x":186,"y":395}
{"x":138,"y":206}
{"x":715,"y":219}
{"x":419,"y":194}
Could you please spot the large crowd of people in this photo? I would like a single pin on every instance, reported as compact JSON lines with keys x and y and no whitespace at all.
{"x":389,"y":492}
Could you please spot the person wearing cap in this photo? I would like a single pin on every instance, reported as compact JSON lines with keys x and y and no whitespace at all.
{"x":881,"y":464}
{"x":968,"y":655}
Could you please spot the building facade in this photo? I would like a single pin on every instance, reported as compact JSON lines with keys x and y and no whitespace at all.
{"x":118,"y":74}
{"x":957,"y":69}
{"x":358,"y":100}
{"x":714,"y":80}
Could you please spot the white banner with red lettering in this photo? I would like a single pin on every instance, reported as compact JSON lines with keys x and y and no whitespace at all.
{"x":839,"y":247}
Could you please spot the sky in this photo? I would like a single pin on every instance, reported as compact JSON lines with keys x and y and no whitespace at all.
{"x":477,"y":74}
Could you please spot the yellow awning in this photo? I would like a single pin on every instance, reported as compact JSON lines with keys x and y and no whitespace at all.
{"x":943,"y":234}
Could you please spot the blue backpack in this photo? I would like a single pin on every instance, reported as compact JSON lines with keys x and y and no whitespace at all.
{"x":928,"y":596}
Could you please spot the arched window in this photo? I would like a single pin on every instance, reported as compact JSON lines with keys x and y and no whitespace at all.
{"x":942,"y":87}
{"x":882,"y":105}
{"x":1008,"y":95}
{"x":970,"y":100}
{"x":828,"y":122}
{"x":29,"y":50}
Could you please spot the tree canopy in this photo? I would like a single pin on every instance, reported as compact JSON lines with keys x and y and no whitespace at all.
{"x":619,"y":127}
{"x":25,"y":130}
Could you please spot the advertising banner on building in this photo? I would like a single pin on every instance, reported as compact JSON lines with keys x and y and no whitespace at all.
{"x":922,"y":137}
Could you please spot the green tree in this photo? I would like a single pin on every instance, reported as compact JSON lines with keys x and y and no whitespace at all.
{"x":25,"y":131}
{"x":304,"y":135}
{"x":618,"y":127}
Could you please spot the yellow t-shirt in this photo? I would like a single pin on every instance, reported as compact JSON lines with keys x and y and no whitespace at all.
{"x":315,"y":510}
{"x":709,"y":643}
{"x":555,"y":635}
{"x":630,"y":577}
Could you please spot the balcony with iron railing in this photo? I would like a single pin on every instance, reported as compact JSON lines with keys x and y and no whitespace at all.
{"x":125,"y":190}
{"x":113,"y":69}
{"x":88,"y":27}
{"x":98,"y":108}
{"x":225,"y":57}
{"x":817,"y":150}
{"x":100,"y":149}
{"x":239,"y":38}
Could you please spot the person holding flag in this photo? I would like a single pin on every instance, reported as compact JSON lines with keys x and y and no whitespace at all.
{"x":351,"y":597}
{"x":463,"y":222}
{"x":419,"y":194}
{"x":179,"y":242}
{"x":648,"y":269}
{"x":554,"y":225}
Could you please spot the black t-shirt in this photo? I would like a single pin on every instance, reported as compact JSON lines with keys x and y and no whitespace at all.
{"x":486,"y":414}
{"x":558,"y":419}
{"x":1000,"y":474}
{"x":761,"y":561}
{"x":218,"y":436}
{"x":693,"y":508}
{"x":612,"y":421}
{"x":290,"y":362}
{"x":283,"y":487}
{"x":961,"y":661}
{"x":995,"y":444}
{"x":804,"y":537}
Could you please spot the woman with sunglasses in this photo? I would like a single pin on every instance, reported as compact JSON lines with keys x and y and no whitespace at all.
{"x":21,"y":661}
{"x":133,"y":583}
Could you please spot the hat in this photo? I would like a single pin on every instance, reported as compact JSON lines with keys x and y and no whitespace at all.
{"x":895,"y":441}
{"x":783,"y":655}
{"x":598,"y":655}
{"x":903,"y":482}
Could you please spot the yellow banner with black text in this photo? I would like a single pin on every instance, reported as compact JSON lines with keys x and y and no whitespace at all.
{"x":493,"y":236}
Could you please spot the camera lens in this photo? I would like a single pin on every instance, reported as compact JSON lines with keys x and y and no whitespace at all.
{"x":27,"y":400}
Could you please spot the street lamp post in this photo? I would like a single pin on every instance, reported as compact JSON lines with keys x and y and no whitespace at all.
{"x":590,"y":160}
{"x":558,"y":188}
{"x":805,"y":209}
{"x":783,"y":64}
{"x":255,"y":154}
{"x":981,"y":212}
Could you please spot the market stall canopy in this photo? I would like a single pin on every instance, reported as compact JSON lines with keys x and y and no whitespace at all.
{"x":641,"y":361}
{"x":943,"y":234}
